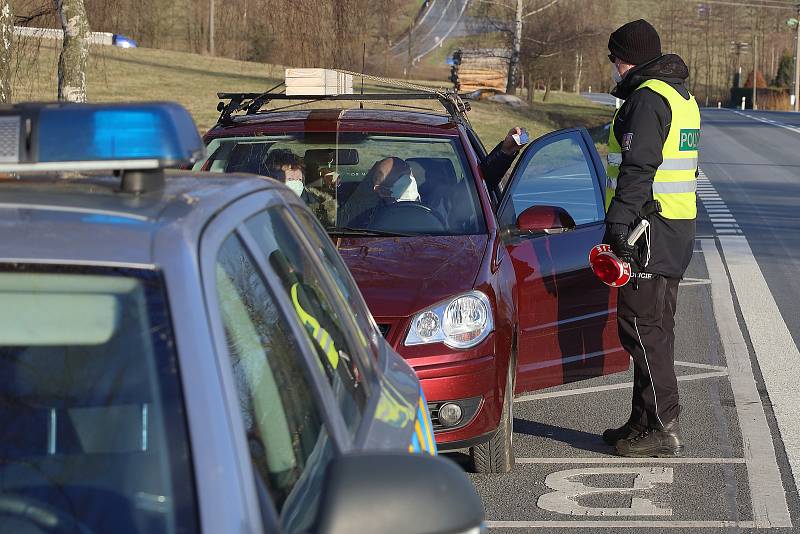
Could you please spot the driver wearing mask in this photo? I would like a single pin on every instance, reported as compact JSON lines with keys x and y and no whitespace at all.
{"x":392,"y":181}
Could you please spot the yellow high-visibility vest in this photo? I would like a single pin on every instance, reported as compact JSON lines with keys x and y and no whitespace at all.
{"x":320,"y":335}
{"x":675,"y":182}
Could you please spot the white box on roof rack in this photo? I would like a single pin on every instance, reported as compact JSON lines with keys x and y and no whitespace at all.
{"x":317,"y":82}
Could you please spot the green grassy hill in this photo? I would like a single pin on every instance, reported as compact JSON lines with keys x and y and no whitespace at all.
{"x":193,"y":80}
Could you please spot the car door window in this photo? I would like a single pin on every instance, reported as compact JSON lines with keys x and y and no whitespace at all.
{"x":289,"y":445}
{"x":325,"y":317}
{"x":555,"y":172}
{"x":348,"y":290}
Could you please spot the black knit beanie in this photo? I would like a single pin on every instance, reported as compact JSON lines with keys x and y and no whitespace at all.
{"x":636,"y":42}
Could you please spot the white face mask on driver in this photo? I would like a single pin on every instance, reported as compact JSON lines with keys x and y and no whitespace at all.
{"x":615,"y":75}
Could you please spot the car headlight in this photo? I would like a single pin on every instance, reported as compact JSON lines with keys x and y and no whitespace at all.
{"x":461,"y":322}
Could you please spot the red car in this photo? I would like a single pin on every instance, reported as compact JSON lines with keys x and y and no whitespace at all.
{"x":485,"y":291}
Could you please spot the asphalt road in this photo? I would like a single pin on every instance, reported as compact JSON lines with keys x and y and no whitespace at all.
{"x":738,"y":323}
{"x":435,"y":24}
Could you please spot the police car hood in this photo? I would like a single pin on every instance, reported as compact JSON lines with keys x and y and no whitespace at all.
{"x":400,"y":276}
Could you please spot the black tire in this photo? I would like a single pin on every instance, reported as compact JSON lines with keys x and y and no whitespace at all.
{"x":497,"y":454}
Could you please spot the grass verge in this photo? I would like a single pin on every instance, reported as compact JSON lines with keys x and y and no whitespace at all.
{"x":193,"y":80}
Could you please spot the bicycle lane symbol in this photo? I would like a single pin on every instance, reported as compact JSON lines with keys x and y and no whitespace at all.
{"x":568,"y":488}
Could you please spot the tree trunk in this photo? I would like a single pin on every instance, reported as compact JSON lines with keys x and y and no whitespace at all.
{"x":6,"y":41}
{"x":531,"y":87}
{"x":578,"y":71}
{"x":516,"y":45}
{"x":547,"y":89}
{"x":74,"y":52}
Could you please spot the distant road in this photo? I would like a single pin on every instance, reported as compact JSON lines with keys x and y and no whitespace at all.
{"x":601,"y":98}
{"x":439,"y":21}
{"x":753,"y":161}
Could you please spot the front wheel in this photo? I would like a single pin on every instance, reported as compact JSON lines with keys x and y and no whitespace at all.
{"x":497,"y":454}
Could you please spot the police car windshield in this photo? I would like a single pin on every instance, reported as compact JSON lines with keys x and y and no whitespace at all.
{"x":91,"y":426}
{"x":388,"y":184}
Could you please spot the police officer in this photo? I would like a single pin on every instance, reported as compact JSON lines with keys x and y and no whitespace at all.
{"x":652,"y":171}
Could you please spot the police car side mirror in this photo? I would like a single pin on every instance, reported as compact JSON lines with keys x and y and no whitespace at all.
{"x":398,"y":493}
{"x":545,"y":219}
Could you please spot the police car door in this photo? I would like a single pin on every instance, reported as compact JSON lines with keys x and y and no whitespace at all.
{"x":567,"y":318}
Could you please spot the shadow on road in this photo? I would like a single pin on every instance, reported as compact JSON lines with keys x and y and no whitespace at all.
{"x":577,"y":439}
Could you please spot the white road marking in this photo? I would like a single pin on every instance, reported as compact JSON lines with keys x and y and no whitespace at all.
{"x":767,"y":494}
{"x":694,"y":282}
{"x":620,"y":524}
{"x":777,"y":354}
{"x":619,"y":460}
{"x":609,"y":387}
{"x":567,"y":489}
{"x":794,"y":129}
{"x":701,"y":365}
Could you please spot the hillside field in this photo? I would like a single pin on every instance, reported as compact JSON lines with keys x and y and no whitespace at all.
{"x":193,"y":80}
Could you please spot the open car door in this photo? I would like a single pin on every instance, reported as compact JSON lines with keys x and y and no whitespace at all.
{"x":552,"y":213}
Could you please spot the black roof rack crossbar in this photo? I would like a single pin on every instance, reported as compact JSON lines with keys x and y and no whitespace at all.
{"x":253,"y":102}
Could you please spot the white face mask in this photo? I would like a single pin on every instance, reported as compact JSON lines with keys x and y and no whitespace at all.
{"x":405,"y":189}
{"x":615,"y":75}
{"x":296,"y":186}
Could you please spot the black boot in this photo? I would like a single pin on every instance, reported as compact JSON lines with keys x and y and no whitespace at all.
{"x":627,"y":431}
{"x":664,"y":442}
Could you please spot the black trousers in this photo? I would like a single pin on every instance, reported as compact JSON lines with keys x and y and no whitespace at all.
{"x":646,"y":321}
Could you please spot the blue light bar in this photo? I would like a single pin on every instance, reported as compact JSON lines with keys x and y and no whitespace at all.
{"x":97,"y":137}
{"x":123,"y":42}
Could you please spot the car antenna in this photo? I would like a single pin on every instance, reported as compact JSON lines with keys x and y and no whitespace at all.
{"x":363,"y":68}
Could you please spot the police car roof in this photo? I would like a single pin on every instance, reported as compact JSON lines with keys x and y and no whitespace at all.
{"x":88,"y":221}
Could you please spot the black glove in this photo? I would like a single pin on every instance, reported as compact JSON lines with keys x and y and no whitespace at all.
{"x":617,"y":237}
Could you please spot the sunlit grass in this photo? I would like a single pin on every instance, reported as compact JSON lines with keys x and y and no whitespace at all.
{"x":193,"y":80}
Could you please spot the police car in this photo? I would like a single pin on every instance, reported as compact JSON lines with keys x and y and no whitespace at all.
{"x":183,"y":352}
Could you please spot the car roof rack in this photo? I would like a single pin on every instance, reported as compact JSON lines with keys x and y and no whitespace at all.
{"x":251,"y":103}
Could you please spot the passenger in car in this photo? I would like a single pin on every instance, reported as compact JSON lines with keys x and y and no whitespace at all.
{"x":389,"y":181}
{"x":285,"y":166}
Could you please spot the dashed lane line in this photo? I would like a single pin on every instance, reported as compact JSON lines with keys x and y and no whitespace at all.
{"x":767,"y":495}
{"x":721,"y":218}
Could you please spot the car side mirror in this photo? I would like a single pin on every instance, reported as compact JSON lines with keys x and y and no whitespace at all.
{"x":398,"y":493}
{"x":546,"y":219}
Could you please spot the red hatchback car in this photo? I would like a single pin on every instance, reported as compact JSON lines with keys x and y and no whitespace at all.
{"x":486,"y":292}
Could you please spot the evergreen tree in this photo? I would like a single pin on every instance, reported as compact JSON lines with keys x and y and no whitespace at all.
{"x":785,"y":70}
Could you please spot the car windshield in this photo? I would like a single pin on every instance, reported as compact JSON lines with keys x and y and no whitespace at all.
{"x":364,"y":183}
{"x":92,"y":433}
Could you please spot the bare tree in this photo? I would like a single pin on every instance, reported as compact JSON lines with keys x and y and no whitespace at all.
{"x":6,"y":40}
{"x":74,"y":52}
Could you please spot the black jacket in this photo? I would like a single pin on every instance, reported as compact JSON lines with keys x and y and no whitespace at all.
{"x":494,"y":166}
{"x":645,"y":118}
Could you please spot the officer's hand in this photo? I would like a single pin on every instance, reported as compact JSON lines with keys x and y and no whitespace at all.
{"x":617,"y":237}
{"x":510,"y":146}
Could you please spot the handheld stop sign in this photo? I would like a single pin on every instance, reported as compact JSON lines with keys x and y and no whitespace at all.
{"x":611,"y":270}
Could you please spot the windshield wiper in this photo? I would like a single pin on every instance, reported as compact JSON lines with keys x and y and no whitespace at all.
{"x":366,"y":232}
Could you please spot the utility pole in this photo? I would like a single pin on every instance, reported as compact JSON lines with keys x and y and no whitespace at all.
{"x":516,"y":46}
{"x":755,"y":71}
{"x":211,"y":27}
{"x":797,"y":64}
{"x":410,"y":60}
{"x":739,"y":47}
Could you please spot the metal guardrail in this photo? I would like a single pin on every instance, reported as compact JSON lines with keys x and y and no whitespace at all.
{"x":96,"y":38}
